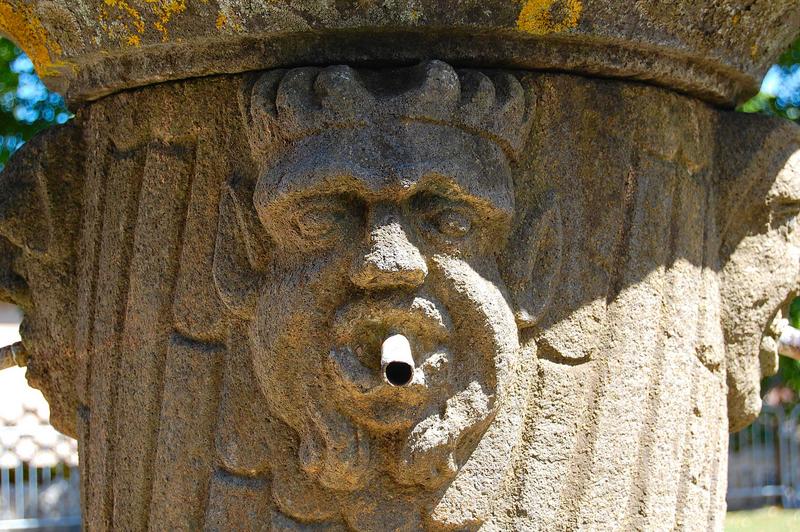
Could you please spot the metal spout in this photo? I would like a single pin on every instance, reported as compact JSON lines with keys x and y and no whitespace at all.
{"x":397,"y":364}
{"x":13,"y":355}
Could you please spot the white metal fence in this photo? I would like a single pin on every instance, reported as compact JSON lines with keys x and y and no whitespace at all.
{"x":764,"y":461}
{"x":40,"y":498}
{"x":38,"y":465}
{"x":763,"y":468}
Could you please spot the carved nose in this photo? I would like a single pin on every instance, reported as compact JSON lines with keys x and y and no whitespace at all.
{"x":391,"y":261}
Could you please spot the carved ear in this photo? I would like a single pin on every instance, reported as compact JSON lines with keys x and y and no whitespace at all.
{"x":751,"y":150}
{"x":240,"y":253}
{"x":23,"y":226}
{"x":533,"y":261}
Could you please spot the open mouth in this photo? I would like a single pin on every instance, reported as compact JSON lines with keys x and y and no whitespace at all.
{"x":391,"y":343}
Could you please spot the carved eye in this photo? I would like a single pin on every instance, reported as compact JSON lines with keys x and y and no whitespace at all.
{"x":317,"y":222}
{"x":784,"y":214}
{"x":320,"y":222}
{"x":453,"y":223}
{"x":441,"y":216}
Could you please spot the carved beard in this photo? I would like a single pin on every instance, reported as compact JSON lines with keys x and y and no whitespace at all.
{"x":346,"y":444}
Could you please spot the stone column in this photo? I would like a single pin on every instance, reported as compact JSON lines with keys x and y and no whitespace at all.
{"x":253,"y":197}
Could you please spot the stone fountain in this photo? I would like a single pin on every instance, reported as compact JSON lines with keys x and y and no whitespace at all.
{"x":402,"y":265}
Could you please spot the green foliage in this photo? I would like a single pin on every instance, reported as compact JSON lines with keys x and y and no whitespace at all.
{"x":780,"y":94}
{"x":26,"y":106}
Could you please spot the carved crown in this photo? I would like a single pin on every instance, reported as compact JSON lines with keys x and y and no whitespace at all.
{"x":306,"y":101}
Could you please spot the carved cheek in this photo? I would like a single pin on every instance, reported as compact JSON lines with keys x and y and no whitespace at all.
{"x":299,"y":295}
{"x":290,"y":334}
{"x":478,"y":304}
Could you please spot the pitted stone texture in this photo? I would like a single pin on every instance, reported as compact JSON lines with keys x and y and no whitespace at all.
{"x":717,"y":50}
{"x":40,"y":224}
{"x":578,"y":308}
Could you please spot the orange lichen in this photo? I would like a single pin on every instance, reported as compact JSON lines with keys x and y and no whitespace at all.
{"x":136,"y":20}
{"x":221,"y":20}
{"x":164,"y":10}
{"x":125,"y":10}
{"x":22,"y":26}
{"x":122,"y":5}
{"x":540,"y":17}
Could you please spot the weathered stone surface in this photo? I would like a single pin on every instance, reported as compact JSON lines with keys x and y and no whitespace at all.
{"x":382,"y":297}
{"x":760,"y":250}
{"x":40,"y":226}
{"x":714,"y":49}
{"x":584,"y":269}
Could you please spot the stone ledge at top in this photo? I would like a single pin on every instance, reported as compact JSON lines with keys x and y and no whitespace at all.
{"x":716,"y":50}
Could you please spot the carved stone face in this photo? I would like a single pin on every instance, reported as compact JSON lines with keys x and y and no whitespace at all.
{"x":380,"y":232}
{"x":766,"y":259}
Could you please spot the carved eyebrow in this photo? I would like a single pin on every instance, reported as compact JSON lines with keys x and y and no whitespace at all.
{"x":445,"y":186}
{"x":486,"y":184}
{"x":281,"y":198}
{"x":318,"y":182}
{"x":399,"y":188}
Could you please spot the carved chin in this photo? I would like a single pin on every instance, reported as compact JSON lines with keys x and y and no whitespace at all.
{"x":418,"y":434}
{"x":339,"y":452}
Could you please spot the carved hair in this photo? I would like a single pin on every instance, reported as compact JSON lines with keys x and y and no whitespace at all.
{"x":282,"y":105}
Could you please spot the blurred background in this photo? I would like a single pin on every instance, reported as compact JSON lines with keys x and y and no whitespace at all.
{"x":38,"y":466}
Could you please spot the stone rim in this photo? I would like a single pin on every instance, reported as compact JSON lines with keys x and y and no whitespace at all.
{"x":102,"y":74}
